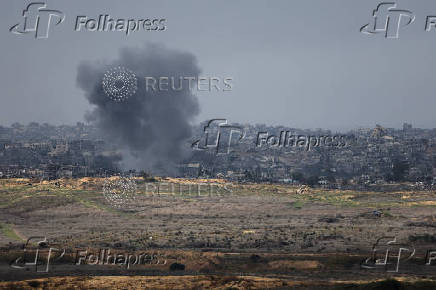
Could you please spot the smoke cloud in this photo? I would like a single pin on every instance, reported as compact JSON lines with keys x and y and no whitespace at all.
{"x":152,"y":126}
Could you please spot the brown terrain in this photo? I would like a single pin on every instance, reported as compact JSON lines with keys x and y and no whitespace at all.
{"x":218,"y":235}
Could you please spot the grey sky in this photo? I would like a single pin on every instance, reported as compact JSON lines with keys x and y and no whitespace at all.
{"x":296,"y":63}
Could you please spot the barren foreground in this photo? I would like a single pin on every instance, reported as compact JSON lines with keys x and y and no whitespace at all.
{"x":225,"y":236}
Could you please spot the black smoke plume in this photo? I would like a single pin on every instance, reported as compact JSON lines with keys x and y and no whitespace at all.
{"x":152,"y":126}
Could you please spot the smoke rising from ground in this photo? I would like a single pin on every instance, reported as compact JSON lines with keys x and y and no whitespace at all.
{"x":152,"y":126}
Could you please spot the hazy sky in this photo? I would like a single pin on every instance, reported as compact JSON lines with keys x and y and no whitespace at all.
{"x":296,"y":63}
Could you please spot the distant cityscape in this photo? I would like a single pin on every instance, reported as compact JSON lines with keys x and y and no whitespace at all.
{"x":375,"y":157}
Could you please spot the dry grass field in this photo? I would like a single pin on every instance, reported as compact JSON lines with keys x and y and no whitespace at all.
{"x":217,"y":235}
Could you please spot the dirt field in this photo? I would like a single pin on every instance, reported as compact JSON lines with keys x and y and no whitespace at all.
{"x":218,"y":235}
